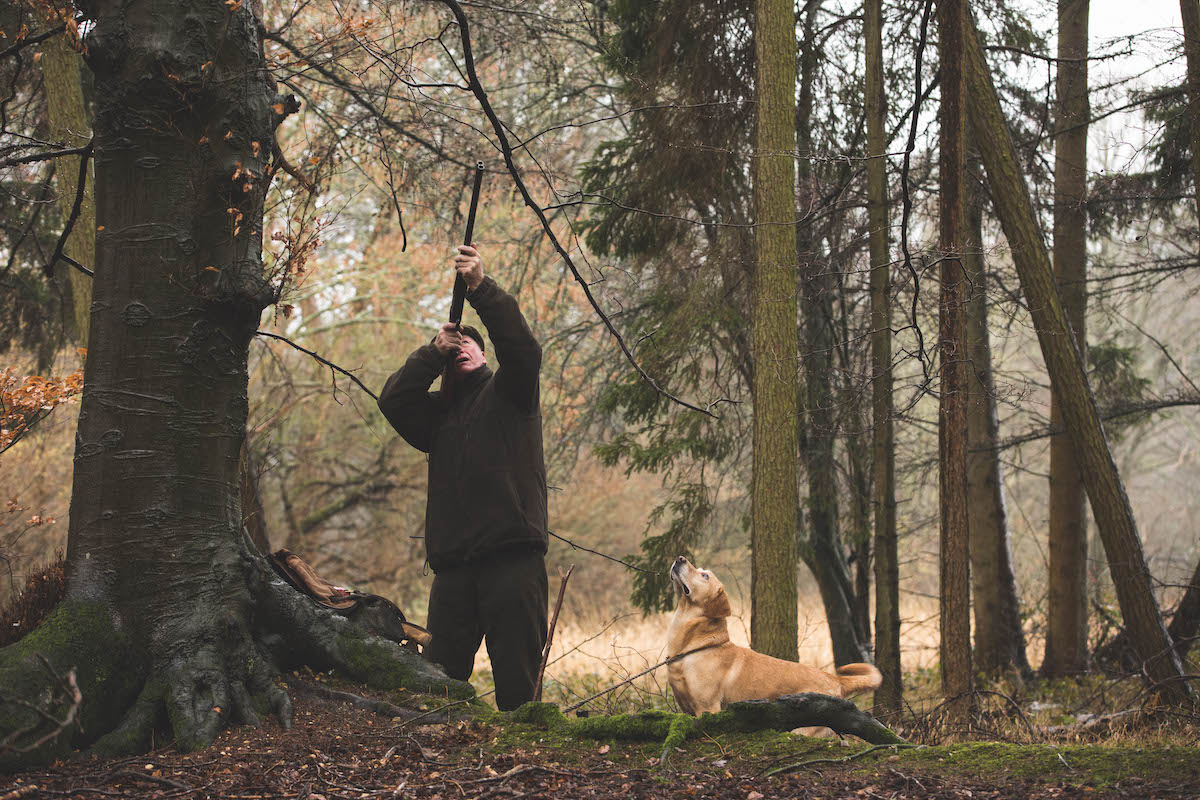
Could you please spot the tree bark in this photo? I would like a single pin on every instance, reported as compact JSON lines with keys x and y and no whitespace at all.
{"x":253,"y":518}
{"x":1067,"y":603}
{"x":774,"y":499}
{"x":167,"y":607}
{"x":1185,"y":622}
{"x":887,"y":573}
{"x":62,"y":78}
{"x":955,"y":574}
{"x":999,"y":640}
{"x":858,"y":465}
{"x":1189,"y":11}
{"x":1118,"y":654}
{"x":1068,"y":380}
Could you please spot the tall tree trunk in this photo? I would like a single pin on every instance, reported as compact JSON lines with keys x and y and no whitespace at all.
{"x":1189,"y":11}
{"x":955,"y":581}
{"x":1067,"y":608}
{"x":774,"y":499}
{"x":69,"y":123}
{"x":887,"y":571}
{"x":999,"y":640}
{"x":168,"y":614}
{"x":1069,"y":383}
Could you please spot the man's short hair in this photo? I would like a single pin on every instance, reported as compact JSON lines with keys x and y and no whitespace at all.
{"x":476,"y":335}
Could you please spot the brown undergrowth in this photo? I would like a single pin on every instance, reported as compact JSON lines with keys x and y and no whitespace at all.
{"x":44,"y":587}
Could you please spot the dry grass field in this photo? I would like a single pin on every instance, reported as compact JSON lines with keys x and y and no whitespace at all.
{"x":596,"y":649}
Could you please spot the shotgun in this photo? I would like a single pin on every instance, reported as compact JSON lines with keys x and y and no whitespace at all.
{"x":460,"y":286}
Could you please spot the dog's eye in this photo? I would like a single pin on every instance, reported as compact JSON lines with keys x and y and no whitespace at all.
{"x":705,"y":574}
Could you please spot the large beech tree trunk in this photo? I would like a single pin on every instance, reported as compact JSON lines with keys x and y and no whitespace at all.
{"x":887,"y":570}
{"x":774,"y":499}
{"x":999,"y":640}
{"x":955,"y":573}
{"x":1068,"y":380}
{"x":169,"y":615}
{"x":1067,"y":606}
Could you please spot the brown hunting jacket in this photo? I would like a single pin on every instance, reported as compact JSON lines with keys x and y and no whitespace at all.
{"x":487,"y":476}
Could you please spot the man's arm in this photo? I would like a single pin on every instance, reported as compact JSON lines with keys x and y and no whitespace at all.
{"x":406,"y":400}
{"x":519,"y":353}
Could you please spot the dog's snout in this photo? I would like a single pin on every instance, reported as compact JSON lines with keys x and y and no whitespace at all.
{"x":680,"y":560}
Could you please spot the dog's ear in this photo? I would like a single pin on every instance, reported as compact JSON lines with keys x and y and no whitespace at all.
{"x":718,"y":606}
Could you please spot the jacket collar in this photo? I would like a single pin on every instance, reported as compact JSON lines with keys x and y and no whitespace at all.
{"x":469,"y":383}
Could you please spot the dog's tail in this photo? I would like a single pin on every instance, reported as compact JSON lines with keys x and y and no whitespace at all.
{"x":856,"y":678}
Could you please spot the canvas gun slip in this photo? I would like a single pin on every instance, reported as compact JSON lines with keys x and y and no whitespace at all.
{"x":460,"y":285}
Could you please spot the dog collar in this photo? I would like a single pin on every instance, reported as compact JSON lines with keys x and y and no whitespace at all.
{"x":693,"y":651}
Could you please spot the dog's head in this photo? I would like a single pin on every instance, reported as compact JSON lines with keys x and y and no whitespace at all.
{"x":699,"y":588}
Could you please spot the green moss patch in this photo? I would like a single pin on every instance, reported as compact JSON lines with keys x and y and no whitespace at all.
{"x":1082,"y":765}
{"x":380,"y":667}
{"x":75,"y":636}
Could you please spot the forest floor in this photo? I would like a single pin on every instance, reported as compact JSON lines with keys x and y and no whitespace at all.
{"x":338,"y":750}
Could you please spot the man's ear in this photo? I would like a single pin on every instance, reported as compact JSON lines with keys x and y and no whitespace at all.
{"x":718,"y":606}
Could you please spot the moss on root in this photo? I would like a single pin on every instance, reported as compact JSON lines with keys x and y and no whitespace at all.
{"x":383,"y":665}
{"x":77,"y":636}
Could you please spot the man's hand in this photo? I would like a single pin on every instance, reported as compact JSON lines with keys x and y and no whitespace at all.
{"x":448,"y":339}
{"x":468,"y":264}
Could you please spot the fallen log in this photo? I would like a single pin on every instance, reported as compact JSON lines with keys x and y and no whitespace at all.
{"x":784,"y":714}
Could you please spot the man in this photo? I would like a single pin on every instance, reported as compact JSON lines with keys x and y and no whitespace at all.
{"x":485,"y":518}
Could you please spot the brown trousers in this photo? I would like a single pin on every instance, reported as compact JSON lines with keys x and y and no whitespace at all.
{"x":502,"y":599}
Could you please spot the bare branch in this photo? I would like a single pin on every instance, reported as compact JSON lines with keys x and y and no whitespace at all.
{"x":506,"y":148}
{"x":31,"y":40}
{"x":326,"y":362}
{"x":80,"y":191}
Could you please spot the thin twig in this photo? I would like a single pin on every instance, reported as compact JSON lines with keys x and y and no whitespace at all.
{"x":562,"y":590}
{"x":806,"y":764}
{"x":906,"y":196}
{"x":633,"y":678}
{"x":1164,"y":350}
{"x":324,"y":361}
{"x":604,"y":555}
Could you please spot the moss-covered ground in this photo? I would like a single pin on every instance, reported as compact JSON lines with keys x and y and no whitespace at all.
{"x":338,"y":749}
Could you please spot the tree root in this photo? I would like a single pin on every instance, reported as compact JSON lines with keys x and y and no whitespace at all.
{"x":210,"y":665}
{"x":380,"y":707}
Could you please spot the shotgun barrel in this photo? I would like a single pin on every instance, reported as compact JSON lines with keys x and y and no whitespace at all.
{"x":460,"y":286}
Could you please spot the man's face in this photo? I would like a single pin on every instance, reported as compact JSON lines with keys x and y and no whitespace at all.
{"x":468,"y":358}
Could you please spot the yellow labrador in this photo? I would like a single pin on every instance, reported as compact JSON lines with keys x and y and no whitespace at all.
{"x":714,"y":671}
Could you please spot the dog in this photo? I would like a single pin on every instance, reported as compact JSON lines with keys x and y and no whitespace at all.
{"x":709,"y":671}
